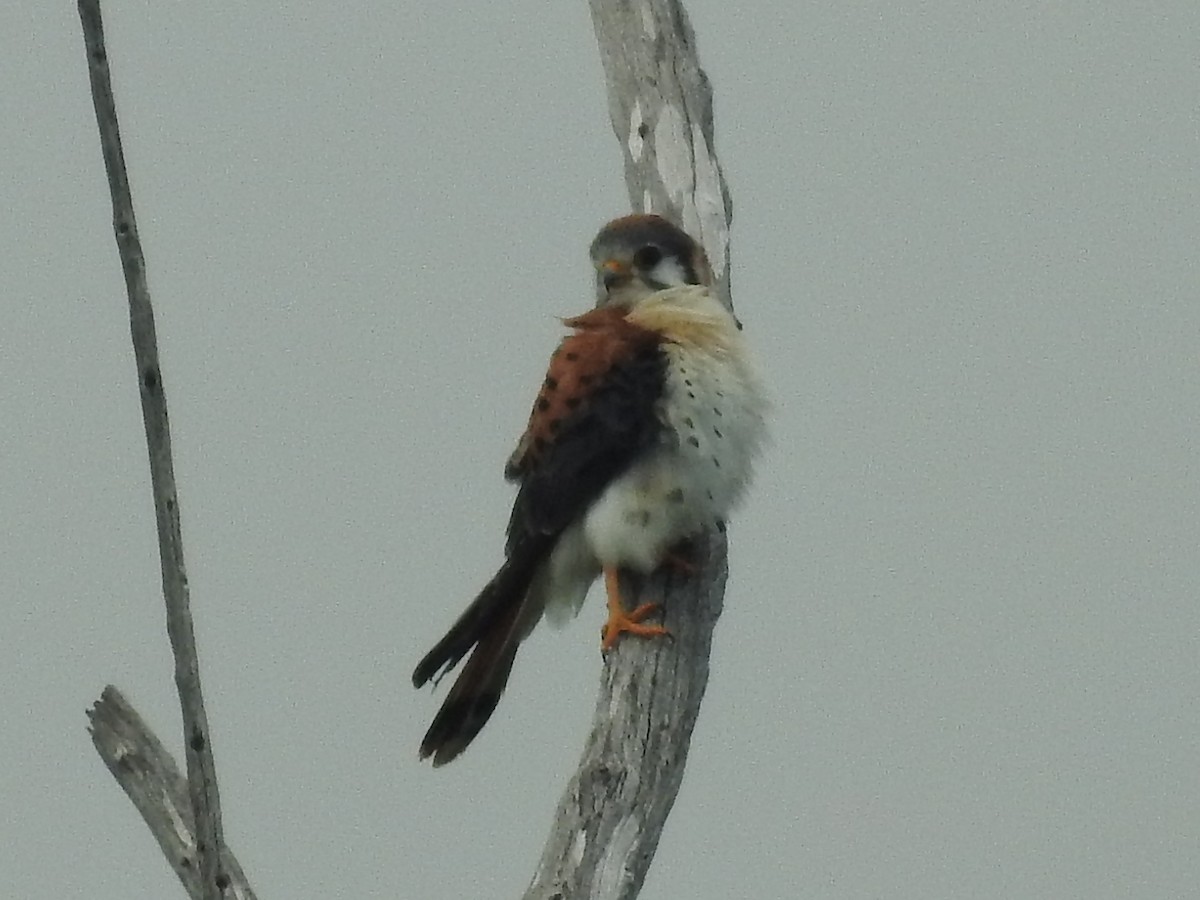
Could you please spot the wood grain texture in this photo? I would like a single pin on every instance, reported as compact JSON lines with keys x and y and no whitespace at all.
{"x":613,"y":811}
{"x":148,"y":775}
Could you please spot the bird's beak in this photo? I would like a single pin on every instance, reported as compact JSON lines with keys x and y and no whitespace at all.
{"x":613,"y":272}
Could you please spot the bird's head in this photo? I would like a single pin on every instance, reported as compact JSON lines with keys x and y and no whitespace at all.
{"x":635,"y":256}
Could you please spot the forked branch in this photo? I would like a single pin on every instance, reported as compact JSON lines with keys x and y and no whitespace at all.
{"x":203,"y":824}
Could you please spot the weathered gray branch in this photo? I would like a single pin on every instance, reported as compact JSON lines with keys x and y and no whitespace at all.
{"x":201,"y":770}
{"x":148,"y":774}
{"x":660,"y":103}
{"x":612,"y":814}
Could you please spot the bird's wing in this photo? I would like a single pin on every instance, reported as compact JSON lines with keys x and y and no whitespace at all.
{"x":595,"y":414}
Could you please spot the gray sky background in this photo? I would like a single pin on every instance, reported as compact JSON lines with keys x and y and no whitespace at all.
{"x":959,"y":656}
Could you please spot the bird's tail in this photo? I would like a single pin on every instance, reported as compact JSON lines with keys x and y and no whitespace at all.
{"x":494,"y":624}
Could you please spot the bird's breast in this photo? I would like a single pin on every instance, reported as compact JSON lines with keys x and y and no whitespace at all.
{"x":713,"y":413}
{"x":712,"y":428}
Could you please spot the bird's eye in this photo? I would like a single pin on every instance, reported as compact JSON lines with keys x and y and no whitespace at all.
{"x":647,"y":257}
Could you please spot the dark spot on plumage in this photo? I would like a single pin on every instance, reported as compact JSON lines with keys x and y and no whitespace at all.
{"x":643,"y":130}
{"x":716,"y":412}
{"x":719,"y":393}
{"x":687,"y":382}
{"x":689,"y":423}
{"x":543,"y":404}
{"x":716,"y":462}
{"x":603,"y":416}
{"x":710,"y":496}
{"x":694,"y":441}
{"x":691,"y":395}
{"x":675,"y":496}
{"x":572,"y":357}
{"x":717,"y":432}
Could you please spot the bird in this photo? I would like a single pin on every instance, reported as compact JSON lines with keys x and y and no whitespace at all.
{"x":643,"y":434}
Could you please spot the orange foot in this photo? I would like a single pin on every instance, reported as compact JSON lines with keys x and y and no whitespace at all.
{"x":620,"y":621}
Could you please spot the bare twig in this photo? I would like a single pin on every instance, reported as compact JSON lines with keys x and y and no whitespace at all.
{"x":612,"y":814}
{"x":202,"y":774}
{"x":144,"y":768}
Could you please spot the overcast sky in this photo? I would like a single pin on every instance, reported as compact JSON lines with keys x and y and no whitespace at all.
{"x":960,"y":650}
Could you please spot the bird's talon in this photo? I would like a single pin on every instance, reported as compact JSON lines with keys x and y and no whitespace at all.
{"x":631,"y":623}
{"x":642,"y":611}
{"x":622,"y":622}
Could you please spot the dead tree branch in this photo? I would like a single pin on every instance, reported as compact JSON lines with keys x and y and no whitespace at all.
{"x":214,"y":881}
{"x":612,"y":814}
{"x":149,"y":776}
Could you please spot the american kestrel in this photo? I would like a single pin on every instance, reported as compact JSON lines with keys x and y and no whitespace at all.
{"x":643,"y":434}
